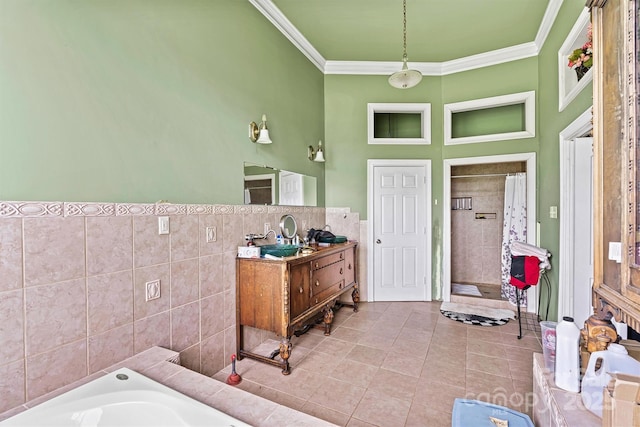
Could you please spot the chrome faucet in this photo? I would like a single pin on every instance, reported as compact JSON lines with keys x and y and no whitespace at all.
{"x":253,"y":236}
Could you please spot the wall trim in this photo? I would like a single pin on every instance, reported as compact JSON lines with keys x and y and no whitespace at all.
{"x":579,"y":127}
{"x":29,"y":209}
{"x":528,"y":99}
{"x":530,"y":158}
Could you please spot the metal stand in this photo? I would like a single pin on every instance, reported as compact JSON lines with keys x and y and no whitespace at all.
{"x":518,"y":290}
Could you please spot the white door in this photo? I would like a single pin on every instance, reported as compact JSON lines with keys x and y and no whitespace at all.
{"x":400,"y":233}
{"x":583,"y":229}
{"x":291,"y":189}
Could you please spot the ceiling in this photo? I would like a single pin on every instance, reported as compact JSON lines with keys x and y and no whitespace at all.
{"x":358,"y":33}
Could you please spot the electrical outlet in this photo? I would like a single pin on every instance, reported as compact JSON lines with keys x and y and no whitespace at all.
{"x":267,"y":227}
{"x":304,"y":225}
{"x":152,"y":290}
{"x":212,"y":234}
{"x":163,"y":225}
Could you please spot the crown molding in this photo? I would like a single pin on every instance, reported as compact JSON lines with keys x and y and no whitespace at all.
{"x":486,"y":59}
{"x":275,"y":16}
{"x":378,"y":68}
{"x":513,"y":53}
{"x":550,"y":15}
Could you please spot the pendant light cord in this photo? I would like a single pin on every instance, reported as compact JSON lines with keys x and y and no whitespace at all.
{"x":404,"y":30}
{"x":405,"y":78}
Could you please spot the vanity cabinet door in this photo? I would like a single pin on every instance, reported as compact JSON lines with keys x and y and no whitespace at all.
{"x":349,"y":266}
{"x":260,"y":295}
{"x":299,"y":277}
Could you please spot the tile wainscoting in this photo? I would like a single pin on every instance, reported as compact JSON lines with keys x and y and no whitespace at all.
{"x":72,"y":286}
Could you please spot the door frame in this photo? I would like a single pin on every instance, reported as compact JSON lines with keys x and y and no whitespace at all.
{"x":371,"y":164}
{"x":579,"y":127}
{"x":532,"y":234}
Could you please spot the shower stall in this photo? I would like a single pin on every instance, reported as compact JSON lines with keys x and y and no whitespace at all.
{"x":478,"y":227}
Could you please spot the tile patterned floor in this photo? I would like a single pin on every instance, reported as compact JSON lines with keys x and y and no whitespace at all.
{"x":398,"y":364}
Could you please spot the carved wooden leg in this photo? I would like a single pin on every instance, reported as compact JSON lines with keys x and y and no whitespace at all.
{"x":355,"y":297}
{"x":285,"y":352}
{"x":328,"y":320}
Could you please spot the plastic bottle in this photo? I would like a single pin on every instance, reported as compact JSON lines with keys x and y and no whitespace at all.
{"x":621,"y":328}
{"x":567,"y":373}
{"x":279,"y":240}
{"x":614,"y":359}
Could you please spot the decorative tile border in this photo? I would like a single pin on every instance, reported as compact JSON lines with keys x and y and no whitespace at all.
{"x":89,"y":209}
{"x":169,"y":209}
{"x":12,"y":209}
{"x":274,"y":209}
{"x":199,"y":209}
{"x":31,"y":209}
{"x":242,"y":209}
{"x":259,"y":209}
{"x":223,"y":209}
{"x":123,"y":209}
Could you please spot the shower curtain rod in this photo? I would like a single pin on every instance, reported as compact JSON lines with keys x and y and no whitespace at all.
{"x":486,"y":175}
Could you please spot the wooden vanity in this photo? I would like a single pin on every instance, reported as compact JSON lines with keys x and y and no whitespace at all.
{"x":290,"y":295}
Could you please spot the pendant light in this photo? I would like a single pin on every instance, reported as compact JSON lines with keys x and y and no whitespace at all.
{"x":405,"y":78}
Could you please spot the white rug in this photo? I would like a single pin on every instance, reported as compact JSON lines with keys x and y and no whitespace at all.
{"x":478,"y":310}
{"x":460,"y":289}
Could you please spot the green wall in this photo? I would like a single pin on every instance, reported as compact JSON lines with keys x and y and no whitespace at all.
{"x":142,"y":100}
{"x":347,"y":151}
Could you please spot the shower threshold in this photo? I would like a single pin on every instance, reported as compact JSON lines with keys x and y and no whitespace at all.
{"x":490,"y":296}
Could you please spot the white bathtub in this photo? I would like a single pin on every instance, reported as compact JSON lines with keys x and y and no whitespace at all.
{"x":122,"y":398}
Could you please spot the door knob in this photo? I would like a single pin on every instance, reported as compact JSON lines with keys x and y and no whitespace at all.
{"x":378,"y":241}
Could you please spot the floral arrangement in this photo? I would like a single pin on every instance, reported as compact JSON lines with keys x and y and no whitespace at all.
{"x":583,"y":56}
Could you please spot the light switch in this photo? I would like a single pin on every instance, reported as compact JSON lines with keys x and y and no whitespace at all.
{"x":553,"y":212}
{"x":615,"y":252}
{"x":163,"y":225}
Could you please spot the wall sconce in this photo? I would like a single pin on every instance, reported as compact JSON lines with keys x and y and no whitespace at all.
{"x":259,"y":133}
{"x":316,"y":156}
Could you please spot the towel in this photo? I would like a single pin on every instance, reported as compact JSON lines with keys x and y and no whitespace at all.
{"x":525,"y":249}
{"x":524,"y":271}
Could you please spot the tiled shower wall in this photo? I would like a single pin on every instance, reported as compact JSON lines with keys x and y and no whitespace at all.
{"x":476,"y":244}
{"x":72,"y":286}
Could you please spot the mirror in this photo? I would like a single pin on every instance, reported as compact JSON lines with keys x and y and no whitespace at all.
{"x":259,"y":185}
{"x":288,"y":226}
{"x":264,"y":185}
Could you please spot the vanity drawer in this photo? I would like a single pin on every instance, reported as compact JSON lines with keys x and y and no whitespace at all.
{"x":332,"y":290}
{"x":325,"y":277}
{"x":327,"y":260}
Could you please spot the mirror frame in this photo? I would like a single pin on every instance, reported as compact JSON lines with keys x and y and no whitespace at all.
{"x":284,"y":229}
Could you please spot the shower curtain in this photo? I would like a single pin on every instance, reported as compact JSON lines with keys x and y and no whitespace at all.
{"x":514,"y":229}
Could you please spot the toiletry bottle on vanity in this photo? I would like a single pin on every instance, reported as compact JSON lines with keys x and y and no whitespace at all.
{"x":567,"y":372}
